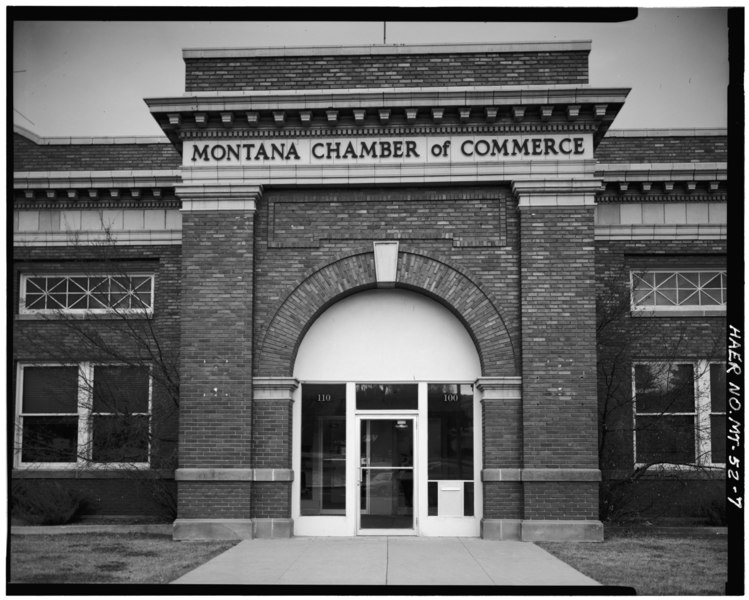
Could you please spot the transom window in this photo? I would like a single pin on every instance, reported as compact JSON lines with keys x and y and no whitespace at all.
{"x":679,"y":413}
{"x":128,"y":294}
{"x":82,"y":415}
{"x":662,"y":290}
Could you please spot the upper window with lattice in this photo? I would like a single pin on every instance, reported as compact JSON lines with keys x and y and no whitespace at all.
{"x":87,"y":294}
{"x":675,"y":291}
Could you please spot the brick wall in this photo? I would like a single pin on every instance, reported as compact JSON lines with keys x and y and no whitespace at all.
{"x":125,"y":496}
{"x":153,"y":341}
{"x":377,"y":70}
{"x":271,"y":435}
{"x":214,"y":499}
{"x":342,"y":216}
{"x":502,"y":432}
{"x":271,"y":500}
{"x":29,"y":156}
{"x":216,"y":362}
{"x":626,"y":339}
{"x":503,"y":500}
{"x":480,"y":281}
{"x":629,"y":338}
{"x":662,"y":149}
{"x":216,"y":321}
{"x":561,"y":500}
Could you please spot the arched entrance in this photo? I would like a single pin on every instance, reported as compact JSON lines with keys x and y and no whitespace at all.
{"x":386,"y":427}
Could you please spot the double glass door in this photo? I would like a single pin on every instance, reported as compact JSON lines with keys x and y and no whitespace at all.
{"x":386,"y":475}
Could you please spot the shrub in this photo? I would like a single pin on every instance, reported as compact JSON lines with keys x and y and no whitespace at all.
{"x":714,"y":514}
{"x":44,"y":502}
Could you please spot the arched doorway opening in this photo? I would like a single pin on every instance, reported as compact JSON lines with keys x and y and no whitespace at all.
{"x":386,"y":425}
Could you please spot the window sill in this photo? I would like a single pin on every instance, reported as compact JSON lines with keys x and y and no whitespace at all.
{"x":99,"y":473}
{"x":656,"y":472}
{"x":678,"y":313}
{"x":57,"y":316}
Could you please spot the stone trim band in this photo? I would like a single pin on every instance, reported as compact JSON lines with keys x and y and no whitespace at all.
{"x":541,"y":475}
{"x":234,"y":475}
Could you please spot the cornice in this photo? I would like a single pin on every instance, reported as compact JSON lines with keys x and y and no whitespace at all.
{"x":380,"y":49}
{"x":387,"y":97}
{"x":83,"y":179}
{"x":518,"y":89}
{"x":61,"y":201}
{"x":663,"y":182}
{"x":677,"y":196}
{"x":219,"y":197}
{"x":95,"y":188}
{"x":704,"y":171}
{"x":388,"y":107}
{"x":344,"y":131}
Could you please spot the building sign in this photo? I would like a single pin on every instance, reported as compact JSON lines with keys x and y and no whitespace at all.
{"x":387,"y":150}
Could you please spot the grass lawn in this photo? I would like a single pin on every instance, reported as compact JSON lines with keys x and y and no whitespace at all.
{"x":105,"y":558}
{"x":653,"y":565}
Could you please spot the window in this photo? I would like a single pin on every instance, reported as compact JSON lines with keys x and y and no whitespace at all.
{"x":673,"y":291}
{"x":93,"y":294}
{"x":718,"y":412}
{"x":323,"y":472}
{"x":679,"y":413}
{"x":450,"y":446}
{"x":77,"y":415}
{"x":389,"y":396}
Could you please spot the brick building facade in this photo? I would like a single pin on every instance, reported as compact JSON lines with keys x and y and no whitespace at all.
{"x":366,"y":290}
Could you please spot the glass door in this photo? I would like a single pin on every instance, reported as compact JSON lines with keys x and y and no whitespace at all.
{"x":386,"y":476}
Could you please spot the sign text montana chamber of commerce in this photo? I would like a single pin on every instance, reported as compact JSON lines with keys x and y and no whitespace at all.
{"x":377,"y":150}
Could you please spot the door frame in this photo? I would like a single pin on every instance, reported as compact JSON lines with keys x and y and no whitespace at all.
{"x":379,"y":415}
{"x":425,"y":525}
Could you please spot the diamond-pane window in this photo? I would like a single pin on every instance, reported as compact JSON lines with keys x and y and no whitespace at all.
{"x":678,"y":290}
{"x":87,"y":294}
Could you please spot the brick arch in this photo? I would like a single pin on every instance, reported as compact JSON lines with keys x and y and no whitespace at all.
{"x":416,"y":272}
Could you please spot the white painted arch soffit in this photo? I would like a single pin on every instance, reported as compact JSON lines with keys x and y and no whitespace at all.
{"x":387,"y":335}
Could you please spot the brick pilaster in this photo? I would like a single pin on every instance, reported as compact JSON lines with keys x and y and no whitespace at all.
{"x":215,"y":430}
{"x":558,"y":350}
{"x":272,"y":443}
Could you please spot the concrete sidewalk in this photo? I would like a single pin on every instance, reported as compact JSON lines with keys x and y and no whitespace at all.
{"x":385,"y":561}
